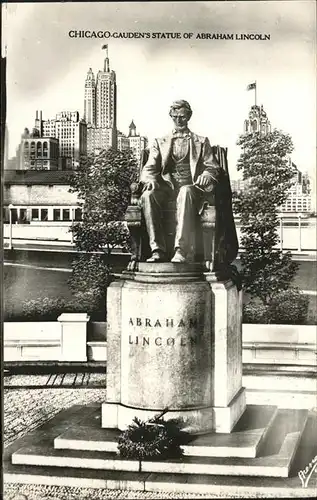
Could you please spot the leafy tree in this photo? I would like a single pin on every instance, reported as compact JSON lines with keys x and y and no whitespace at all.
{"x":102,"y":184}
{"x":266,"y":270}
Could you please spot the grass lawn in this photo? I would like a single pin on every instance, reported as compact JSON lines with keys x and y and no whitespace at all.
{"x":21,"y":283}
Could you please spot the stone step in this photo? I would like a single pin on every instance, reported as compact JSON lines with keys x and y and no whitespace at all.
{"x":280,"y":381}
{"x":287,"y":399}
{"x":244,"y":441}
{"x":224,"y":486}
{"x":276,"y":458}
{"x":285,"y":424}
{"x":271,"y":466}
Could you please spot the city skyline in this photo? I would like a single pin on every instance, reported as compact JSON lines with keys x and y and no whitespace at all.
{"x":151,"y":74}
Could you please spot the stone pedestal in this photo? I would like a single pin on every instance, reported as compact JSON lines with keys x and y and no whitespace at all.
{"x":73,"y":336}
{"x":174,"y":341}
{"x":228,"y":393}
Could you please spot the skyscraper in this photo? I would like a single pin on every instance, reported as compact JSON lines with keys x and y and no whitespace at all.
{"x":100,"y":108}
{"x":90,"y":99}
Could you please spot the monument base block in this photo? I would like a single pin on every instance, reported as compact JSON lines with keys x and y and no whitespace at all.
{"x":195,"y":421}
{"x":174,"y":345}
{"x":225,"y":418}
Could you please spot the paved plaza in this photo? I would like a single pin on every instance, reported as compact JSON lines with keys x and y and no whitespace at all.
{"x":26,"y":409}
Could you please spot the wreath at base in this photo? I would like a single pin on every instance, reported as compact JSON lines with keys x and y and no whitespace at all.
{"x":152,"y":439}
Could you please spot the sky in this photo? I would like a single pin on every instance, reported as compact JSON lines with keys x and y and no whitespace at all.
{"x":46,"y":68}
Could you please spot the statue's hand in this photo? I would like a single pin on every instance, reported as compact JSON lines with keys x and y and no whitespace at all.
{"x":204,"y":180}
{"x":151,"y":185}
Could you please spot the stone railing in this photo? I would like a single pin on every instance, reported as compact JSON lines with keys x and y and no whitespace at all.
{"x":61,"y":340}
{"x":279,"y":344}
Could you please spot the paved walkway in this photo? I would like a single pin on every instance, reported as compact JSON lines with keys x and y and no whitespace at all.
{"x":27,"y":408}
{"x":56,"y":380}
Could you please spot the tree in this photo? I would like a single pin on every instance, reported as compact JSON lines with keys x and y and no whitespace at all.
{"x":268,"y":173}
{"x":102,"y":184}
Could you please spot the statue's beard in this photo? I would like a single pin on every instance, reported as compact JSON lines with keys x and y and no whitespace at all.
{"x":181,"y":127}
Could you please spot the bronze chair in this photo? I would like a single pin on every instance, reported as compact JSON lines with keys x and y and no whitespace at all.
{"x":204,"y":247}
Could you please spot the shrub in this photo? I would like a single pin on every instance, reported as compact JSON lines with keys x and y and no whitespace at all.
{"x":289,"y":307}
{"x":155,"y":439}
{"x":255,"y":312}
{"x":48,"y":309}
{"x":44,"y":308}
{"x":286,"y":307}
{"x":92,"y":302}
{"x":89,"y":272}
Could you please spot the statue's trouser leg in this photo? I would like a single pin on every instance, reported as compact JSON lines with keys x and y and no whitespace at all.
{"x":187,"y":202}
{"x":152,"y":203}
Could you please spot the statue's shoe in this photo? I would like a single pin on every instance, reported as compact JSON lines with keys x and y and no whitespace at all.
{"x":157,"y":257}
{"x":178,"y":256}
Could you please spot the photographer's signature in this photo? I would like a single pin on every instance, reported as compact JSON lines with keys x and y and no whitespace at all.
{"x":305,"y":474}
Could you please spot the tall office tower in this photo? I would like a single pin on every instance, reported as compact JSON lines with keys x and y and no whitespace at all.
{"x":90,"y":99}
{"x":71,"y":133}
{"x":257,"y":121}
{"x":100,"y":108}
{"x":106,"y":97}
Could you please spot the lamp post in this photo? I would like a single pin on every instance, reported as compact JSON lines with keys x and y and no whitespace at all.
{"x":72,"y":226}
{"x":10,"y":226}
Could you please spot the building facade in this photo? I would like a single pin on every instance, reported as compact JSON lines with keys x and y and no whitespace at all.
{"x":39,"y":196}
{"x":257,"y":121}
{"x":71,"y":133}
{"x":100,"y":138}
{"x":40,"y":153}
{"x":122,"y":142}
{"x":135,"y":142}
{"x":299,"y":199}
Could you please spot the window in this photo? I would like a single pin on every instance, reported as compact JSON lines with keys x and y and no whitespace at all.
{"x":23,"y":215}
{"x":254,"y":126}
{"x":44,"y":214}
{"x":66,"y":214}
{"x":14,"y":215}
{"x":35,"y":214}
{"x":6,"y":217}
{"x":56,"y":214}
{"x":78,"y":214}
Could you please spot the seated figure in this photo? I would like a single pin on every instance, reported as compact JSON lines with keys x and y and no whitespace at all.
{"x":182,"y":171}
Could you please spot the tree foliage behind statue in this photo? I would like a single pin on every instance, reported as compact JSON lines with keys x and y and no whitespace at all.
{"x":264,"y":162}
{"x":102,"y":184}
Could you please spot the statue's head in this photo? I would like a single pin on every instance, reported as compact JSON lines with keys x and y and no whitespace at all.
{"x":180,"y":112}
